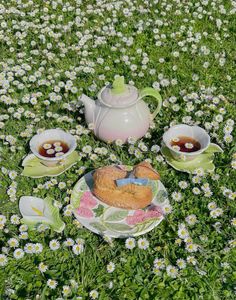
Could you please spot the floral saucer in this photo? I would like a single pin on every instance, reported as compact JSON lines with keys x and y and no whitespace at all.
{"x":34,"y":168}
{"x":203,"y":161}
{"x":103,"y":219}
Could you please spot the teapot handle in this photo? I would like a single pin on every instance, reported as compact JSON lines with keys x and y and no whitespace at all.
{"x":154,"y":93}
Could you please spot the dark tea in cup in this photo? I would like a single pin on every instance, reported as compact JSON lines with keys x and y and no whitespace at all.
{"x":185,"y":144}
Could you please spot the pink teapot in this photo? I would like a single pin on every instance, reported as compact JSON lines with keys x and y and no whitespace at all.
{"x":120,"y":112}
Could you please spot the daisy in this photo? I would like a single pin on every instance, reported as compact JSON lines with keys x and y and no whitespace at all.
{"x":42,"y":267}
{"x":216,"y":212}
{"x":54,"y":245}
{"x":181,"y":263}
{"x":191,"y":219}
{"x":143,"y":243}
{"x":110,"y":267}
{"x":130,"y":243}
{"x":183,"y":184}
{"x":167,"y":209}
{"x":199,"y":172}
{"x":61,"y":185}
{"x":191,"y":260}
{"x":3,"y":260}
{"x":29,"y":248}
{"x":13,"y":243}
{"x":156,"y":271}
{"x":183,"y":232}
{"x":3,"y":219}
{"x":52,"y":283}
{"x":196,"y":191}
{"x":172,"y":271}
{"x":69,"y":242}
{"x":18,"y":253}
{"x":38,"y":248}
{"x":176,"y":196}
{"x":93,"y":294}
{"x":66,"y":290}
{"x":15,"y":219}
{"x":78,"y":249}
{"x":23,"y":228}
{"x":159,"y":263}
{"x":233,"y":222}
{"x":211,"y":206}
{"x":191,"y":247}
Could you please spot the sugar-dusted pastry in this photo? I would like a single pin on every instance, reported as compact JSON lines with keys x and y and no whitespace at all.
{"x":145,"y":170}
{"x":110,"y":186}
{"x":130,"y":196}
{"x":105,"y":177}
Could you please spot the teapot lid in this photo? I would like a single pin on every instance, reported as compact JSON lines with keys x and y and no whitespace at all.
{"x":118,"y":94}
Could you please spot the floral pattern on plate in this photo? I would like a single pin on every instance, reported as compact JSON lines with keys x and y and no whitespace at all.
{"x":116,"y":222}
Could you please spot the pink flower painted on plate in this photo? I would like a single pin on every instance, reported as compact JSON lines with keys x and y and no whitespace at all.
{"x":84,"y":212}
{"x":140,"y":216}
{"x":88,"y":200}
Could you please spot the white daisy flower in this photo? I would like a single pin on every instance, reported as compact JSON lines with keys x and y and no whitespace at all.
{"x":110,"y":267}
{"x":183,"y":184}
{"x":78,"y":249}
{"x":3,"y":260}
{"x":15,"y":219}
{"x":18,"y":253}
{"x":3,"y":219}
{"x":54,"y":245}
{"x":172,"y":271}
{"x":52,"y":284}
{"x":93,"y":294}
{"x":156,"y":271}
{"x":130,"y":243}
{"x":167,"y":209}
{"x":181,"y":263}
{"x":13,"y":243}
{"x":191,"y":247}
{"x":191,"y":260}
{"x":66,"y":290}
{"x":183,"y":232}
{"x":159,"y":263}
{"x":143,"y":243}
{"x":42,"y":267}
{"x":191,"y":219}
{"x":38,"y":248}
{"x":29,"y":248}
{"x":23,"y":235}
{"x":47,"y":146}
{"x":211,"y":205}
{"x":69,"y":242}
{"x":216,"y":212}
{"x":23,"y":228}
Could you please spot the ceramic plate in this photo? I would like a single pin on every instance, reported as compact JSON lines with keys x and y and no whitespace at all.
{"x":203,"y":161}
{"x":116,"y":222}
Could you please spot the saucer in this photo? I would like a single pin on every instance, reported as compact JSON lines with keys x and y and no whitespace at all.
{"x":114,"y":222}
{"x":203,"y":161}
{"x":34,"y":168}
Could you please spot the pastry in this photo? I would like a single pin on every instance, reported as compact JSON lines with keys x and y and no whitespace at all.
{"x":129,"y":196}
{"x":145,"y":170}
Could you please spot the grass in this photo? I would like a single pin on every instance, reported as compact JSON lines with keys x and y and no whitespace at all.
{"x":213,"y":276}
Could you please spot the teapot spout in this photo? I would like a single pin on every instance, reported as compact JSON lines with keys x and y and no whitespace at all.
{"x":89,"y":105}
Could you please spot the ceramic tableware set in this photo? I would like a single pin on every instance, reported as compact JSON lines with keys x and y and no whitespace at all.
{"x":118,"y":113}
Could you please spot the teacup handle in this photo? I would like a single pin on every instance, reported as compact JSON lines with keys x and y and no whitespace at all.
{"x":154,"y":93}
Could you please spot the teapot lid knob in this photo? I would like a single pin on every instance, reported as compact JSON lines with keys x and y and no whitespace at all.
{"x":118,"y":85}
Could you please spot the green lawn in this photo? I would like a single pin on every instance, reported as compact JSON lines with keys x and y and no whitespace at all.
{"x":51,"y":52}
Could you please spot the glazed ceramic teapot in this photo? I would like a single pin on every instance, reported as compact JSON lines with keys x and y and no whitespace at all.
{"x":120,"y":112}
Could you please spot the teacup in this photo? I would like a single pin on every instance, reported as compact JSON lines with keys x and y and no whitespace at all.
{"x":48,"y":135}
{"x":195,"y":132}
